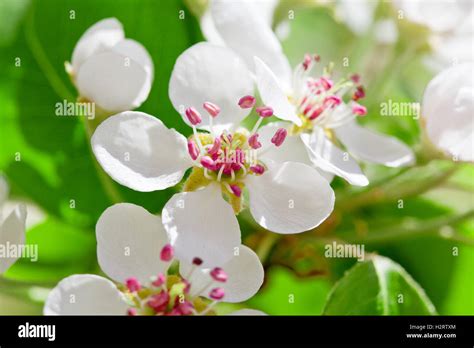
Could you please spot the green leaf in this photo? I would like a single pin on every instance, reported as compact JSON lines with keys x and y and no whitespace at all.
{"x":378,"y":286}
{"x":47,"y":158}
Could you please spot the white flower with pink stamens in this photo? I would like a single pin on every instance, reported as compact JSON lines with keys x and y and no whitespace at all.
{"x":314,"y":105}
{"x":327,"y":122}
{"x":447,"y":112}
{"x":134,"y":251}
{"x":114,"y":72}
{"x":12,"y":227}
{"x":138,"y":151}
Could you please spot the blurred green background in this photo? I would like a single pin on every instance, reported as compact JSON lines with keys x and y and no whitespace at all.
{"x":56,"y":165}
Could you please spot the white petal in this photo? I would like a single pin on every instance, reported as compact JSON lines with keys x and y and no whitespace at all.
{"x":386,"y":31}
{"x":374,"y":147}
{"x":138,"y":151}
{"x":135,"y":51}
{"x":247,"y":311}
{"x":4,"y":189}
{"x":114,"y":80}
{"x":356,"y":14}
{"x":326,"y":175}
{"x":98,"y":38}
{"x":206,"y":72}
{"x":244,"y":277}
{"x":292,"y":149}
{"x":85,"y":294}
{"x":328,"y":157}
{"x":453,"y":48}
{"x":12,"y":232}
{"x":438,"y":16}
{"x":201,"y":224}
{"x":129,"y":241}
{"x":273,"y":94}
{"x":290,"y":198}
{"x":209,"y":29}
{"x":244,"y":27}
{"x":448,"y":108}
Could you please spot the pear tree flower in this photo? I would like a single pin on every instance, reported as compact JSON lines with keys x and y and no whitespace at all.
{"x":133,"y":250}
{"x":12,"y":227}
{"x":322,"y":119}
{"x":447,"y":112}
{"x":114,"y":72}
{"x":450,"y":28}
{"x":328,"y":121}
{"x":140,"y":152}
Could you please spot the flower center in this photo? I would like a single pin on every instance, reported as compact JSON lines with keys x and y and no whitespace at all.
{"x":171,"y":294}
{"x":316,"y":98}
{"x":227,"y":158}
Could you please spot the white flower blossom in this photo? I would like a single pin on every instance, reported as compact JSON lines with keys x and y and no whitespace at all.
{"x":451,"y":26}
{"x":448,"y":109}
{"x":114,"y":72}
{"x":314,"y":105}
{"x":133,"y":250}
{"x":138,"y":151}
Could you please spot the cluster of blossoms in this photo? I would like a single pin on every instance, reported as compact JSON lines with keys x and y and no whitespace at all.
{"x":285,"y":166}
{"x":134,"y":250}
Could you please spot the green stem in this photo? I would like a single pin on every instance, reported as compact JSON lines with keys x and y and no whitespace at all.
{"x":42,"y":59}
{"x":417,"y":229}
{"x":266,"y":244}
{"x":62,"y":91}
{"x":391,"y":191}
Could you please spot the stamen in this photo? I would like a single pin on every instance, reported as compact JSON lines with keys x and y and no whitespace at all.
{"x":257,"y":124}
{"x":253,"y":141}
{"x":193,"y":150}
{"x":197,"y":139}
{"x":355,"y":78}
{"x":279,"y":137}
{"x":326,"y":83}
{"x":193,"y":116}
{"x":359,"y":110}
{"x":132,"y":284}
{"x":206,"y":174}
{"x":306,"y":61}
{"x":247,"y":102}
{"x":218,"y":274}
{"x":211,"y":108}
{"x":208,"y":163}
{"x":159,"y":280}
{"x":264,"y":111}
{"x":132,"y":312}
{"x":359,"y":93}
{"x":243,"y":169}
{"x":257,"y":169}
{"x":219,"y":175}
{"x":217,"y":294}
{"x":317,"y":112}
{"x":332,"y":100}
{"x":167,"y":253}
{"x":197,"y":261}
{"x":215,"y":147}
